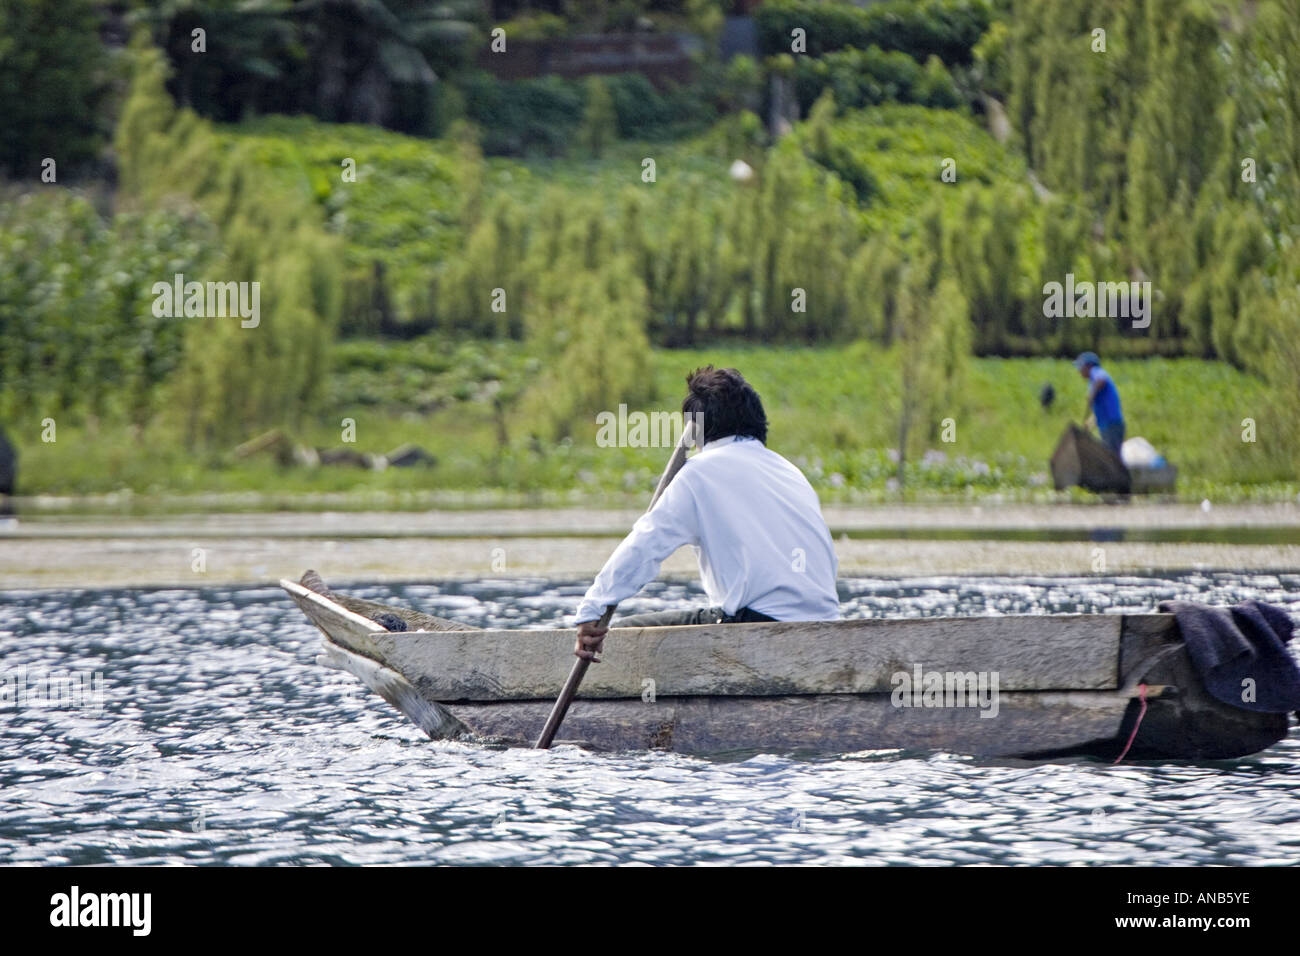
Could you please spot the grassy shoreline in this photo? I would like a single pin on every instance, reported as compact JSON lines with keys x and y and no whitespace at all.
{"x":831,"y":411}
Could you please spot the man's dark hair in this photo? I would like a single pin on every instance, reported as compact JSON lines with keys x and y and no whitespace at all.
{"x":725,"y":403}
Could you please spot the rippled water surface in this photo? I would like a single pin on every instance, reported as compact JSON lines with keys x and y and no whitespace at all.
{"x":220,"y":740}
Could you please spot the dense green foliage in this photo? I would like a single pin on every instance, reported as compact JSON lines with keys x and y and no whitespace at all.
{"x":544,"y":115}
{"x":873,"y":76}
{"x":716,"y":257}
{"x":52,"y":82}
{"x":1178,"y":145}
{"x":79,"y":335}
{"x":343,"y":61}
{"x":948,"y":29}
{"x":556,"y":230}
{"x":399,"y":219}
{"x":410,"y":65}
{"x":233,"y":379}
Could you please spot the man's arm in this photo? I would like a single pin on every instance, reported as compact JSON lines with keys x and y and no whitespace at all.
{"x":671,"y":523}
{"x":1094,"y":386}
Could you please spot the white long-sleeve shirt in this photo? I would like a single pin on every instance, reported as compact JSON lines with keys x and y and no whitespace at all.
{"x":757,"y":530}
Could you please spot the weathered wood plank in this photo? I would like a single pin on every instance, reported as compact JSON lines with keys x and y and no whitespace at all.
{"x":374,"y":611}
{"x":1025,"y":724}
{"x":430,"y":716}
{"x":344,"y":627}
{"x":323,"y":605}
{"x":1069,"y":652}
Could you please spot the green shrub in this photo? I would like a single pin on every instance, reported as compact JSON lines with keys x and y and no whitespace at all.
{"x":76,"y":319}
{"x":523,"y":116}
{"x":873,"y":76}
{"x":948,"y":29}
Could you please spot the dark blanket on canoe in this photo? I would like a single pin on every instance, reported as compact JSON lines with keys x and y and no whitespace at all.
{"x":1232,"y":645}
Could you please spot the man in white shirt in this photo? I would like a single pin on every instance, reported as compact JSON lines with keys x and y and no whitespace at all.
{"x":764,"y":551}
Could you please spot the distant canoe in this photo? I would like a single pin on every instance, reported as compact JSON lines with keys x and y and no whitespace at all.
{"x":1066,"y":684}
{"x":1080,"y":459}
{"x":1153,"y":480}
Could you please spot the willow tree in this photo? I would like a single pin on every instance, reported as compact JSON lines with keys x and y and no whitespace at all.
{"x":587,"y":328}
{"x":235,"y":377}
{"x":599,"y":121}
{"x":872,"y":283}
{"x":1278,"y":310}
{"x":481,"y":291}
{"x":984,"y":255}
{"x":933,"y":346}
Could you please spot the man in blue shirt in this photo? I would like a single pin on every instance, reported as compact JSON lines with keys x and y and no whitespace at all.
{"x":1103,"y":400}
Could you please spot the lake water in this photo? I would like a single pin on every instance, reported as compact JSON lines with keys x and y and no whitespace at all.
{"x":220,"y":740}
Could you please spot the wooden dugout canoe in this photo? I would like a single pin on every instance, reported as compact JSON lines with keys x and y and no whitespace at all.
{"x":1080,"y":459}
{"x":1066,"y":684}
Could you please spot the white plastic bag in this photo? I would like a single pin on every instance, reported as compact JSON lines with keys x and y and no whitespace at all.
{"x":1139,"y":453}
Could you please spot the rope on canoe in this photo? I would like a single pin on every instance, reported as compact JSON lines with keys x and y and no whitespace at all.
{"x":1142,"y":696}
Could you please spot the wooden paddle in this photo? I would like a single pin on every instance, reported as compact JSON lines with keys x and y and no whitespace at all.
{"x":580,"y":666}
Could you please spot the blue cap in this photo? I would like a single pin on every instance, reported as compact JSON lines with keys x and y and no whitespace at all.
{"x":1085,"y":359}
